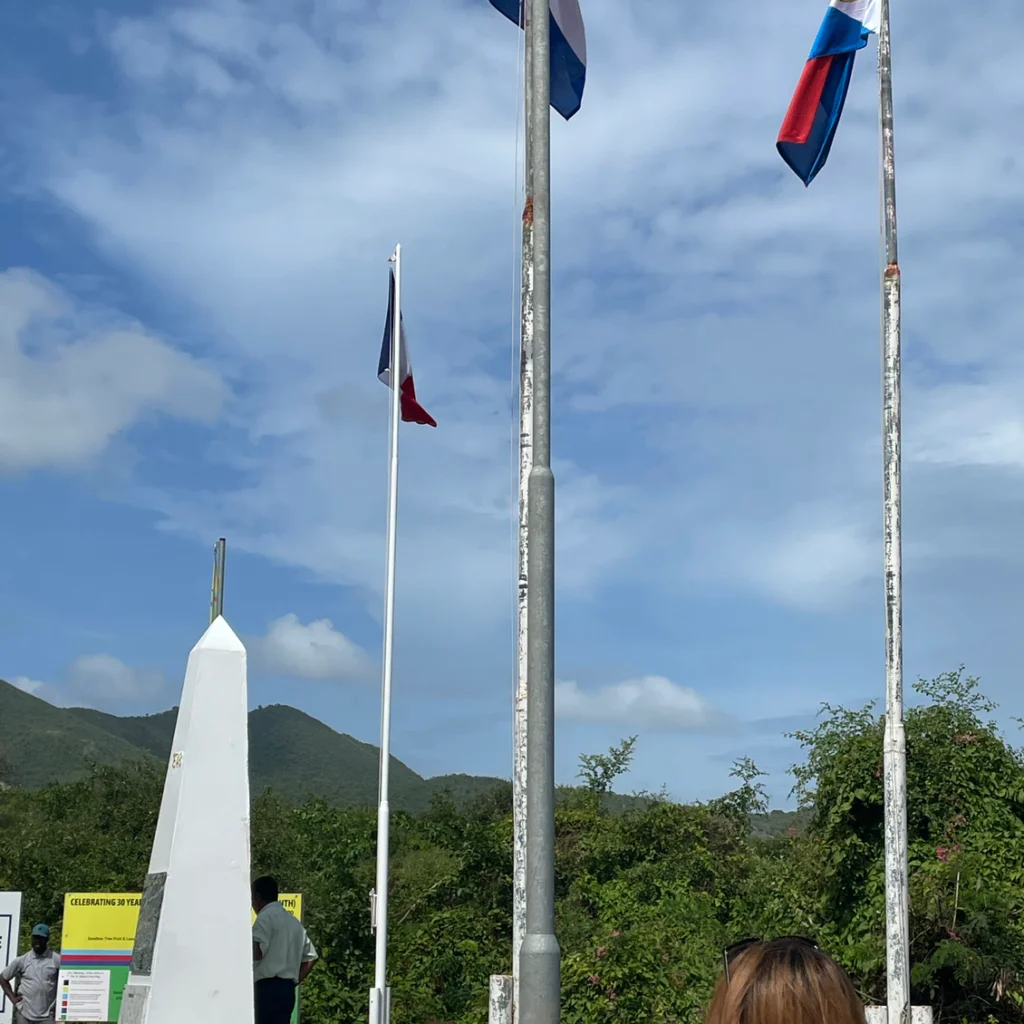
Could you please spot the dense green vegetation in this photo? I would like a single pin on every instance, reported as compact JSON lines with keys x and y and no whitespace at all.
{"x":40,"y":743}
{"x":289,"y":752}
{"x":647,"y":896}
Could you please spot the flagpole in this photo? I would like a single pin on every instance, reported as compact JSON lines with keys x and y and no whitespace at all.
{"x":217,"y":589}
{"x":519,"y":739}
{"x":539,"y":982}
{"x":895,"y":747}
{"x":379,"y":1001}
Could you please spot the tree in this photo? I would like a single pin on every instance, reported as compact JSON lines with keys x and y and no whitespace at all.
{"x":646,"y":898}
{"x":965,"y":821}
{"x":599,"y":771}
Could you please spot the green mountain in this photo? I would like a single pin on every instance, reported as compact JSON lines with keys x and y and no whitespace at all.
{"x":776,"y":824}
{"x":290,"y":752}
{"x":40,"y":743}
{"x":153,"y":733}
{"x":296,"y":755}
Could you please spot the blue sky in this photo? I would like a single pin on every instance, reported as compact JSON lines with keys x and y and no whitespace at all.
{"x":197,"y":203}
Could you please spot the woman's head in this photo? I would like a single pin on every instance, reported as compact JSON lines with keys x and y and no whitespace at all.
{"x":784,"y":981}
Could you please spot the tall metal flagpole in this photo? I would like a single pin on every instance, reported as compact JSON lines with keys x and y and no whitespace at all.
{"x":895,"y":745}
{"x":379,"y":1000}
{"x":522,"y":624}
{"x":539,"y":982}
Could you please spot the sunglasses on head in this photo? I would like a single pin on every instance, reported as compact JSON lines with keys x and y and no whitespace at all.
{"x":730,"y":953}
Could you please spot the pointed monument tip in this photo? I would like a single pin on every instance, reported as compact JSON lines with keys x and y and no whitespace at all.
{"x":220,"y":637}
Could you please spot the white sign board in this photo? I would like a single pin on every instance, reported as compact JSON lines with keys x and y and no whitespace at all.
{"x":83,"y":995}
{"x":10,"y":924}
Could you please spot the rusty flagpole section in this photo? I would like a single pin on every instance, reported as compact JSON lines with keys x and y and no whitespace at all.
{"x":895,"y":745}
{"x":217,"y":588}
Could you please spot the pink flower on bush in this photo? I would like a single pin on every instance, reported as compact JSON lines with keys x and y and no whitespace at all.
{"x":602,"y":951}
{"x":611,"y":993}
{"x":616,"y":934}
{"x":942,"y":853}
{"x":594,"y":979}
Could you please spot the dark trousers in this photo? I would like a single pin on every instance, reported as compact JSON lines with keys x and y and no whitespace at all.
{"x":275,"y":1000}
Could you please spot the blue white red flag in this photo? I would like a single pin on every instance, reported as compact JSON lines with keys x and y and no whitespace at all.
{"x":813,"y":116}
{"x":568,"y":50}
{"x":411,"y":410}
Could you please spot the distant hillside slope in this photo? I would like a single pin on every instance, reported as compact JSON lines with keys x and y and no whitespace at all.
{"x":290,"y":752}
{"x":464,"y":788}
{"x":152,"y":733}
{"x":297,"y":755}
{"x":41,"y":743}
{"x":779,"y":823}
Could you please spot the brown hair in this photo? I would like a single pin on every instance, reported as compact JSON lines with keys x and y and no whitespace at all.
{"x":785,"y":982}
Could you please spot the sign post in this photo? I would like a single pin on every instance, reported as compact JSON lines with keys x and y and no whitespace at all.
{"x":10,"y":925}
{"x":96,"y":952}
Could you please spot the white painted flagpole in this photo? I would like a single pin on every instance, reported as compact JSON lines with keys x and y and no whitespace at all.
{"x":897,"y":915}
{"x":379,"y":1002}
{"x":519,"y":736}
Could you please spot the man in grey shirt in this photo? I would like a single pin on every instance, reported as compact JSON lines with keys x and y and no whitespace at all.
{"x":281,"y":952}
{"x":35,"y":976}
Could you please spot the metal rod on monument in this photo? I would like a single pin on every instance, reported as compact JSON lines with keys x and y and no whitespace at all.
{"x":380,"y":1003}
{"x":217,"y":588}
{"x":895,"y":746}
{"x":519,"y":739}
{"x":540,"y":982}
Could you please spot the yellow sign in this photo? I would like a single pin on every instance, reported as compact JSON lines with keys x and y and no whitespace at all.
{"x":96,"y":950}
{"x":99,"y":928}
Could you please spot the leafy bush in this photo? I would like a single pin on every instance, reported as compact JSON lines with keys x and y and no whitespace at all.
{"x":647,"y":896}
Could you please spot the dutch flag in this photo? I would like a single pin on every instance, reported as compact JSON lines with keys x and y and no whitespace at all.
{"x":411,"y":410}
{"x":813,"y":116}
{"x":568,"y":51}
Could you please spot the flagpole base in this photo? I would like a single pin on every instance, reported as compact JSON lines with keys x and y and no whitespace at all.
{"x":880,"y":1014}
{"x":380,"y":1006}
{"x":499,"y":1003}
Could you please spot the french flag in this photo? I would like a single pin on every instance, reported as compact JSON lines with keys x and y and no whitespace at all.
{"x":568,"y":50}
{"x":813,"y":116}
{"x":411,"y":410}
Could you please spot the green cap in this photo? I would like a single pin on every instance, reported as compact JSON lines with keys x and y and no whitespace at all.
{"x":42,"y":930}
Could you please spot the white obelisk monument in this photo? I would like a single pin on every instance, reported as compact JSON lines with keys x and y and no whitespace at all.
{"x":192,"y":960}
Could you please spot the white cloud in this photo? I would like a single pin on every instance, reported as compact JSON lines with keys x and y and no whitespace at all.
{"x":191,"y":197}
{"x":70,"y":382}
{"x":651,"y":702}
{"x":809,"y":565}
{"x":222,"y":200}
{"x":980,"y":424}
{"x":104,"y":679}
{"x":715,"y":351}
{"x":314,"y":651}
{"x":33,"y":686}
